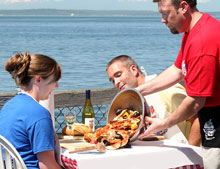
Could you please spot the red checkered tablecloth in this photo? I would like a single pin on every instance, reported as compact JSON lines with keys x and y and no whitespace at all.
{"x":196,"y":166}
{"x":72,"y":164}
{"x":69,"y":163}
{"x":186,"y":156}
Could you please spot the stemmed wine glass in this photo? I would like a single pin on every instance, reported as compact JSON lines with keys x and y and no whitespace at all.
{"x":70,"y":118}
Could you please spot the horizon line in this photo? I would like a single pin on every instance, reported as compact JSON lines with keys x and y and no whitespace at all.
{"x":91,"y":9}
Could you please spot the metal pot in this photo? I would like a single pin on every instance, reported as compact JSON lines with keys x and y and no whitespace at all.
{"x":128,"y":98}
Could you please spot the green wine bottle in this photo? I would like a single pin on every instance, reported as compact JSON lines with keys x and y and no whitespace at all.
{"x":88,"y":116}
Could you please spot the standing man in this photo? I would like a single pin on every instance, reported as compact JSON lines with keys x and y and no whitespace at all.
{"x":198,"y":63}
{"x":124,"y":72}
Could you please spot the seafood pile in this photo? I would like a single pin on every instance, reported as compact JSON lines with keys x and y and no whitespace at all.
{"x":117,"y":132}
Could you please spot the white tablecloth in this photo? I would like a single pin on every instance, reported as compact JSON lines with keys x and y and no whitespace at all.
{"x":143,"y":154}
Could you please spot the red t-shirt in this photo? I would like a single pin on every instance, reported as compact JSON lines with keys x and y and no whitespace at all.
{"x":199,"y":60}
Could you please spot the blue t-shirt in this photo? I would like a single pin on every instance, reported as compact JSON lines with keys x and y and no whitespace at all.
{"x":28,"y":126}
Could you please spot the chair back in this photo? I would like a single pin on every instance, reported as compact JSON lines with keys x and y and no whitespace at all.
{"x":12,"y":157}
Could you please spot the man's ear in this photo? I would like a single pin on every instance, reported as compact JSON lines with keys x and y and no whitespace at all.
{"x":134,"y":70}
{"x":184,"y":6}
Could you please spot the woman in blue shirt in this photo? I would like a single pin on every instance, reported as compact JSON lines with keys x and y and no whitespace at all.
{"x":24,"y":122}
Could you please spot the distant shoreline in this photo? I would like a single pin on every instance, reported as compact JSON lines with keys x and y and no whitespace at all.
{"x":1,"y":15}
{"x":86,"y":13}
{"x":59,"y":12}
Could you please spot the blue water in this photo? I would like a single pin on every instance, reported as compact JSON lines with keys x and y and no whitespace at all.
{"x":84,"y":45}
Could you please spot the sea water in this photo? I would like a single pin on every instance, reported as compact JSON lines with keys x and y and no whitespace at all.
{"x":84,"y":45}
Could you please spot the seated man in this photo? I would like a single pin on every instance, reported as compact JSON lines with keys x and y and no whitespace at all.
{"x":124,"y":72}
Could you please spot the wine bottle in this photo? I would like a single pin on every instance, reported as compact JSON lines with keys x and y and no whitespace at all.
{"x":88,"y":116}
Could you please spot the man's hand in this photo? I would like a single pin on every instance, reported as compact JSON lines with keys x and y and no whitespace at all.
{"x":154,"y":125}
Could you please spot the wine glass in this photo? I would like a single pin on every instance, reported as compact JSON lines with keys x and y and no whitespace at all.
{"x":70,"y":118}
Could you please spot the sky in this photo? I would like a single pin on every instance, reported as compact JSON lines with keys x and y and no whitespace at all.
{"x":203,"y":5}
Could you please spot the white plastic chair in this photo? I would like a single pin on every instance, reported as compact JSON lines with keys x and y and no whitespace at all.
{"x":12,"y":157}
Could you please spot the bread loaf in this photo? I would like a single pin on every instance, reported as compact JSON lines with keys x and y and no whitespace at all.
{"x":78,"y":129}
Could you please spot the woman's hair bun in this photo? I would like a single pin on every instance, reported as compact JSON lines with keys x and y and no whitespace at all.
{"x":18,"y":66}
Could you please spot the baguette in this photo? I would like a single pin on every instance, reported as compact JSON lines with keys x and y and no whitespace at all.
{"x":78,"y":129}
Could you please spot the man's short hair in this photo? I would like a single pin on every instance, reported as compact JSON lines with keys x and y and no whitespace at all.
{"x":176,"y":3}
{"x":126,"y":60}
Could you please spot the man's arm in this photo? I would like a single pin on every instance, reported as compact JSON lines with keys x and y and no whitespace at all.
{"x":164,"y":80}
{"x":189,"y":107}
{"x":194,"y":135}
{"x":47,"y":160}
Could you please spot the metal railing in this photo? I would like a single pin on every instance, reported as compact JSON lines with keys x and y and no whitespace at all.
{"x":74,"y":100}
{"x":99,"y":110}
